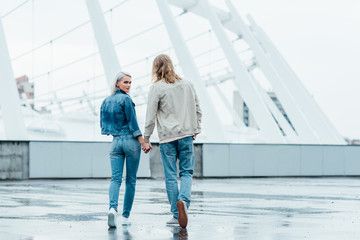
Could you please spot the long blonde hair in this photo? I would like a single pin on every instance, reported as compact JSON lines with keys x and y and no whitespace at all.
{"x":163,"y":69}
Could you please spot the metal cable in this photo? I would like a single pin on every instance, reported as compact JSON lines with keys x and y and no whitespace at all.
{"x":63,"y":34}
{"x":14,"y":9}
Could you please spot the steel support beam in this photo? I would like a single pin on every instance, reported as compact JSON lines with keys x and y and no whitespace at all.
{"x":229,"y":22}
{"x":236,"y":118}
{"x":106,"y":47}
{"x":244,"y":83}
{"x":292,"y":109}
{"x":316,"y":118}
{"x":277,"y":114}
{"x":14,"y":124}
{"x":211,"y":122}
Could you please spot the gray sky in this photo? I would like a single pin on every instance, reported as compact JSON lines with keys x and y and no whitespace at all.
{"x":319,"y":39}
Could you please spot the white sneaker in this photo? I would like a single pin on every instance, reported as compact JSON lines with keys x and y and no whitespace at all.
{"x":125,"y":221}
{"x":112,"y":218}
{"x":172,"y":221}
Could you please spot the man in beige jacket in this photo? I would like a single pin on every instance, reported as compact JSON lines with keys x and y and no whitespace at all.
{"x":174,"y":106}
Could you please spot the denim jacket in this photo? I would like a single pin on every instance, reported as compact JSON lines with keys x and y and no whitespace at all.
{"x":118,"y":117}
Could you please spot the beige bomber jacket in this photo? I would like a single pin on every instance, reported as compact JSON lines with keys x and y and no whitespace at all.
{"x":175,"y":108}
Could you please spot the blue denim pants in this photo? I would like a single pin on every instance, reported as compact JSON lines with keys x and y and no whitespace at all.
{"x":183,"y":150}
{"x":124,"y":148}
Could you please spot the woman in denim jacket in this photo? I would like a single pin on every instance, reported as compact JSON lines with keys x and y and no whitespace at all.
{"x":118,"y":118}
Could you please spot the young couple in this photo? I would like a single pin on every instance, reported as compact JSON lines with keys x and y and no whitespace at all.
{"x":174,"y":105}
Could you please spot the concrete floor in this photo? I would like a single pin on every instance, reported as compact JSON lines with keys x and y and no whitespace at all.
{"x":248,"y":208}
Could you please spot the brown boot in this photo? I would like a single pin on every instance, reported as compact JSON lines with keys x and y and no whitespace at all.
{"x":182,"y":209}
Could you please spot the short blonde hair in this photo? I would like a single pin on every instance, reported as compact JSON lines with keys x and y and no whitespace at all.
{"x":118,"y":78}
{"x":163,"y":69}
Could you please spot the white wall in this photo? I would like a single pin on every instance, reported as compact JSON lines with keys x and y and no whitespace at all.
{"x":75,"y":160}
{"x":238,"y":160}
{"x":91,"y":160}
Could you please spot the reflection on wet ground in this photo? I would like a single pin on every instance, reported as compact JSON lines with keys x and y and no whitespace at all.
{"x":246,"y":208}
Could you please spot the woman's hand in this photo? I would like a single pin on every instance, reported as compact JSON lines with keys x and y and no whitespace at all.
{"x":146,"y":147}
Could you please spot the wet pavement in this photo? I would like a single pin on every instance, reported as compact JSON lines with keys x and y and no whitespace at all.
{"x":242,"y":208}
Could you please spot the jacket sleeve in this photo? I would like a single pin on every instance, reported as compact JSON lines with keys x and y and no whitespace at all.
{"x":101,"y":115}
{"x":198,"y":109}
{"x":197,"y":106}
{"x":151,"y":110}
{"x":131,"y":117}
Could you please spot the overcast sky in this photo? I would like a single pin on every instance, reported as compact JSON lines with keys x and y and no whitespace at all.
{"x":319,"y":39}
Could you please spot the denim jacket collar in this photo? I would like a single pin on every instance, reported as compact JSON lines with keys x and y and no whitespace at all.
{"x":120,"y":91}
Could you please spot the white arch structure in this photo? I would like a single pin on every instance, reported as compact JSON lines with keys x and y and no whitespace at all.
{"x":304,"y":121}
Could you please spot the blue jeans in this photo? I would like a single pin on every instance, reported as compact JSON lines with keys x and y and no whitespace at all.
{"x":124,"y":148}
{"x":183,"y":150}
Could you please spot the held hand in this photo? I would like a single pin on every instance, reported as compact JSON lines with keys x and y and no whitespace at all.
{"x":150,"y":147}
{"x":146,"y":147}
